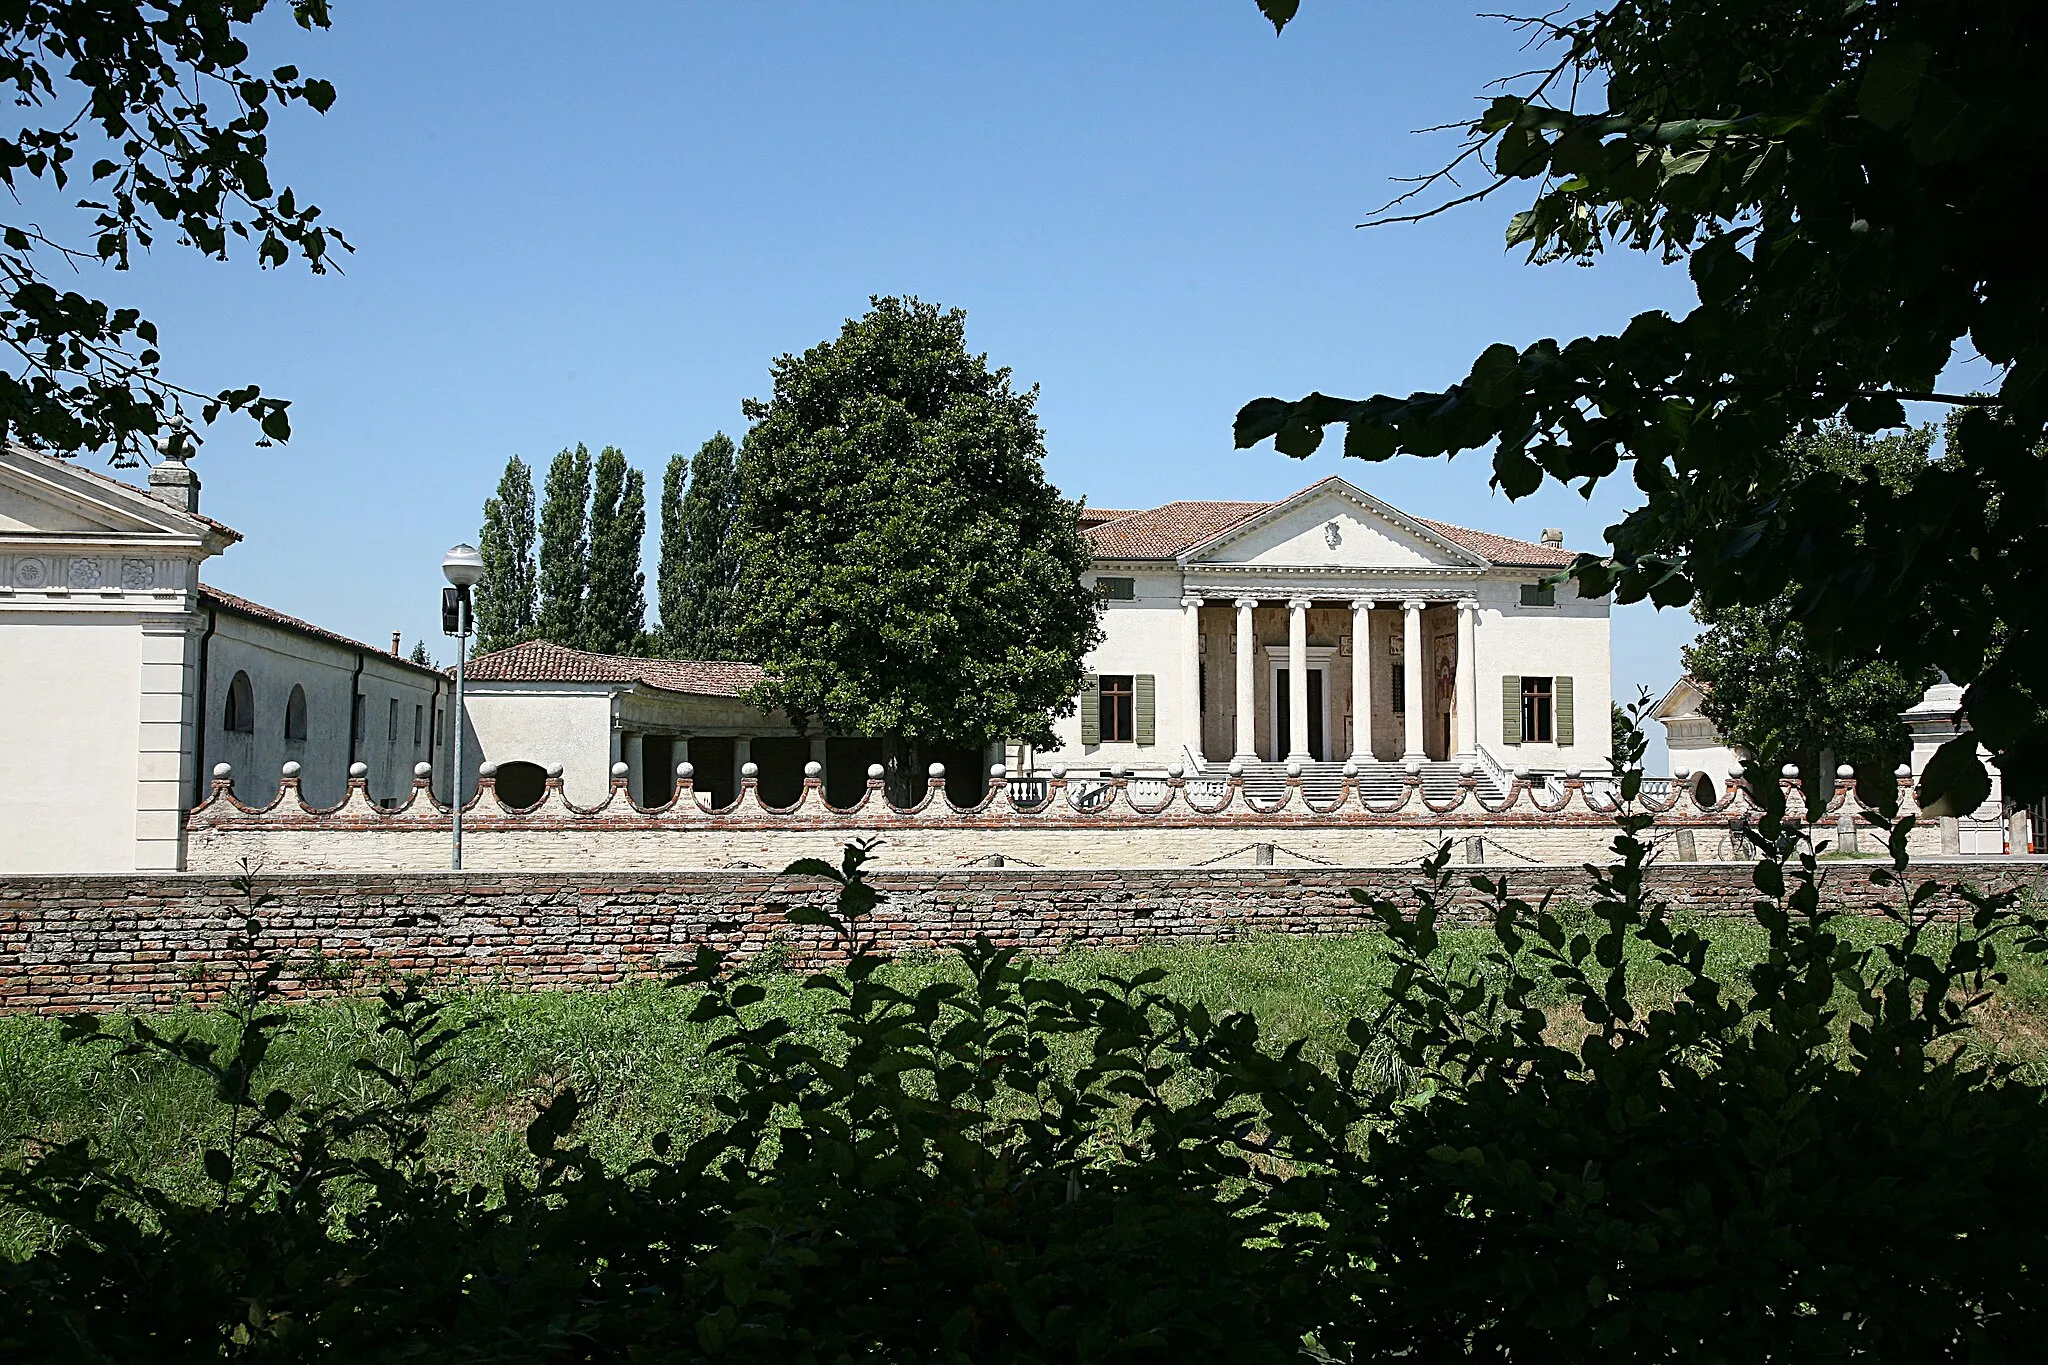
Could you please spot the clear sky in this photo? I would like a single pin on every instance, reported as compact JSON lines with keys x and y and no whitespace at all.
{"x":600,"y":222}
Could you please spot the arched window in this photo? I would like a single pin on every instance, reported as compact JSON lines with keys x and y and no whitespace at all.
{"x":240,"y":716}
{"x":521,"y":784}
{"x":295,"y":716}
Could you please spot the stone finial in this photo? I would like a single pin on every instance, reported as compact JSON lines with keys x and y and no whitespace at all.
{"x":292,"y":771}
{"x":1845,"y":773}
{"x":1573,"y":773}
{"x":1236,"y":768}
{"x":223,"y":771}
{"x":1059,"y":772}
{"x":358,"y":772}
{"x":1553,"y":536}
{"x":1351,"y":767}
{"x":685,"y":771}
{"x":620,"y":770}
{"x":422,"y":771}
{"x":1904,"y":772}
{"x":488,"y":771}
{"x":1467,"y":767}
{"x":875,"y":772}
{"x":1681,"y":772}
{"x":813,"y":770}
{"x":1294,"y":770}
{"x":1790,"y":770}
{"x":936,"y":770}
{"x":1413,"y":767}
{"x":1522,"y":772}
{"x":749,"y":771}
{"x":172,"y":480}
{"x":998,"y":771}
{"x":1176,"y":771}
{"x":554,"y":772}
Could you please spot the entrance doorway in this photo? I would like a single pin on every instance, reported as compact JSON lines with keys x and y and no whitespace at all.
{"x":1318,"y":716}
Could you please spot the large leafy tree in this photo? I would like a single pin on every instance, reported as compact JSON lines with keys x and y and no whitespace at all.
{"x":564,"y":561}
{"x":699,"y":553}
{"x":906,"y":570}
{"x":165,"y":103}
{"x":505,"y":597}
{"x":1851,"y":188}
{"x":615,"y":609}
{"x":1770,"y":690}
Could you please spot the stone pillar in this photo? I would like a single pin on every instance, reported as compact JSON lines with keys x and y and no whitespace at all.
{"x":1191,"y":664}
{"x":1467,"y":727}
{"x":1411,"y":678}
{"x":1247,"y":649}
{"x":742,"y":755}
{"x":818,"y":757}
{"x":2019,"y":831}
{"x":682,"y":750}
{"x":1297,"y":680}
{"x":1361,"y":681}
{"x":166,"y":780}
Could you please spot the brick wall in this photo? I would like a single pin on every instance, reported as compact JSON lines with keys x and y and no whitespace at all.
{"x":153,"y":941}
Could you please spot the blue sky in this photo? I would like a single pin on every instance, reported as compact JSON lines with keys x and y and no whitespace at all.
{"x":601,"y":222}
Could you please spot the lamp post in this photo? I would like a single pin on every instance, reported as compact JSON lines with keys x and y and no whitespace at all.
{"x":464,"y":568}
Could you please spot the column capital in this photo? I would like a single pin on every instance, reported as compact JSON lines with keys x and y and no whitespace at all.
{"x":1300,"y":603}
{"x":1413,"y":604}
{"x":1245,"y":603}
{"x":1362,"y":604}
{"x":1469,"y":604}
{"x":1193,"y":600}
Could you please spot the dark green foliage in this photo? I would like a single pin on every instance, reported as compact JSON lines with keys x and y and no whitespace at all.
{"x":420,"y":655}
{"x":699,"y":553}
{"x":615,"y":607}
{"x":1851,"y":186}
{"x":1798,"y":1164}
{"x":907,"y":571}
{"x":563,"y":577}
{"x":165,"y":104}
{"x":505,"y":597}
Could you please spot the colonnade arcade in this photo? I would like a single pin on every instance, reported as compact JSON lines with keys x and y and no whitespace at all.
{"x":1259,"y":662}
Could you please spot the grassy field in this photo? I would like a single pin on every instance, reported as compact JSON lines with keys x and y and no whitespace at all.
{"x":642,"y":1068}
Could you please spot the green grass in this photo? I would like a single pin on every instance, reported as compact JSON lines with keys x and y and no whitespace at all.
{"x":642,"y":1067}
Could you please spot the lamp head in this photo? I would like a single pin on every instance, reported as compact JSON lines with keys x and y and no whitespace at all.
{"x":463,"y":566}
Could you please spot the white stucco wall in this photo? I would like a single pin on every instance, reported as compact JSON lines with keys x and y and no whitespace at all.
{"x":68,"y":803}
{"x":277,"y":659}
{"x":1571,"y":640}
{"x":1140,"y":636}
{"x":543,"y":723}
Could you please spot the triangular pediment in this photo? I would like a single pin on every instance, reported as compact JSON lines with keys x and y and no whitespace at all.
{"x":1333,"y":525}
{"x":41,"y":496}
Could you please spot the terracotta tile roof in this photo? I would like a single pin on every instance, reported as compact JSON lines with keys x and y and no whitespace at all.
{"x":1095,"y":516}
{"x":256,"y":611}
{"x":79,"y":467}
{"x":1519,"y":554}
{"x":1163,"y":532}
{"x":540,"y":661}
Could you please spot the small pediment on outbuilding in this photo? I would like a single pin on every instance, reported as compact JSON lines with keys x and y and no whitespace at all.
{"x":45,"y":497}
{"x":1333,"y":525}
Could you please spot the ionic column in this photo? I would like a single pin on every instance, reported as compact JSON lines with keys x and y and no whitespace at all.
{"x":1297,"y":679}
{"x":1247,"y":739}
{"x":1468,"y":675}
{"x":1361,"y":681}
{"x":1191,"y":664}
{"x":1411,"y":678}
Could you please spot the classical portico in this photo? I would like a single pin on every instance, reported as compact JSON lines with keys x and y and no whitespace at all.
{"x":1330,"y":628}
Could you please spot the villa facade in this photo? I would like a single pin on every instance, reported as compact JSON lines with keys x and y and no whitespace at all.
{"x":1395,"y":639}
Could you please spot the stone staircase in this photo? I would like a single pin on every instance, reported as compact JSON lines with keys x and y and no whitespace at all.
{"x":1381,"y":784}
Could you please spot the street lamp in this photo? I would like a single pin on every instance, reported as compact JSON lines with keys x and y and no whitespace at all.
{"x":464,"y":568}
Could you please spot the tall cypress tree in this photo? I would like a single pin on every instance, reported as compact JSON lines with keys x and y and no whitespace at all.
{"x":504,"y":600}
{"x":699,"y":555}
{"x":564,"y":565}
{"x":615,"y":610}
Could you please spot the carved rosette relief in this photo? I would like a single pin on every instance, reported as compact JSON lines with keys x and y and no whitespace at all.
{"x":31,"y":573}
{"x":138,"y":574}
{"x":84,"y":572}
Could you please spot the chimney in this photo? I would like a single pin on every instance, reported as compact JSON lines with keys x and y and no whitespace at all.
{"x":171,"y":480}
{"x":397,"y":638}
{"x":1553,"y":536}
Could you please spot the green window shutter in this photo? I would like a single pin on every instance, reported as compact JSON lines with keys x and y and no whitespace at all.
{"x":1564,"y":710}
{"x":1091,"y":709}
{"x":1144,"y":697}
{"x":1511,"y":709}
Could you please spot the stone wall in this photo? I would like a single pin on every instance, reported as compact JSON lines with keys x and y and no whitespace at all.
{"x":133,"y":942}
{"x":1117,"y":826}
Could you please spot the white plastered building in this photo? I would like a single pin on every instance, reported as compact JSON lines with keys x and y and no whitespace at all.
{"x":1400,"y":640}
{"x":124,"y":679}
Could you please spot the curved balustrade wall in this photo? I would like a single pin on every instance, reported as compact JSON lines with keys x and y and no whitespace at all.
{"x":1049,"y":824}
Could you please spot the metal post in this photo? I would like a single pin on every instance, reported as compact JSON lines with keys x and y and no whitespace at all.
{"x":455,"y":781}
